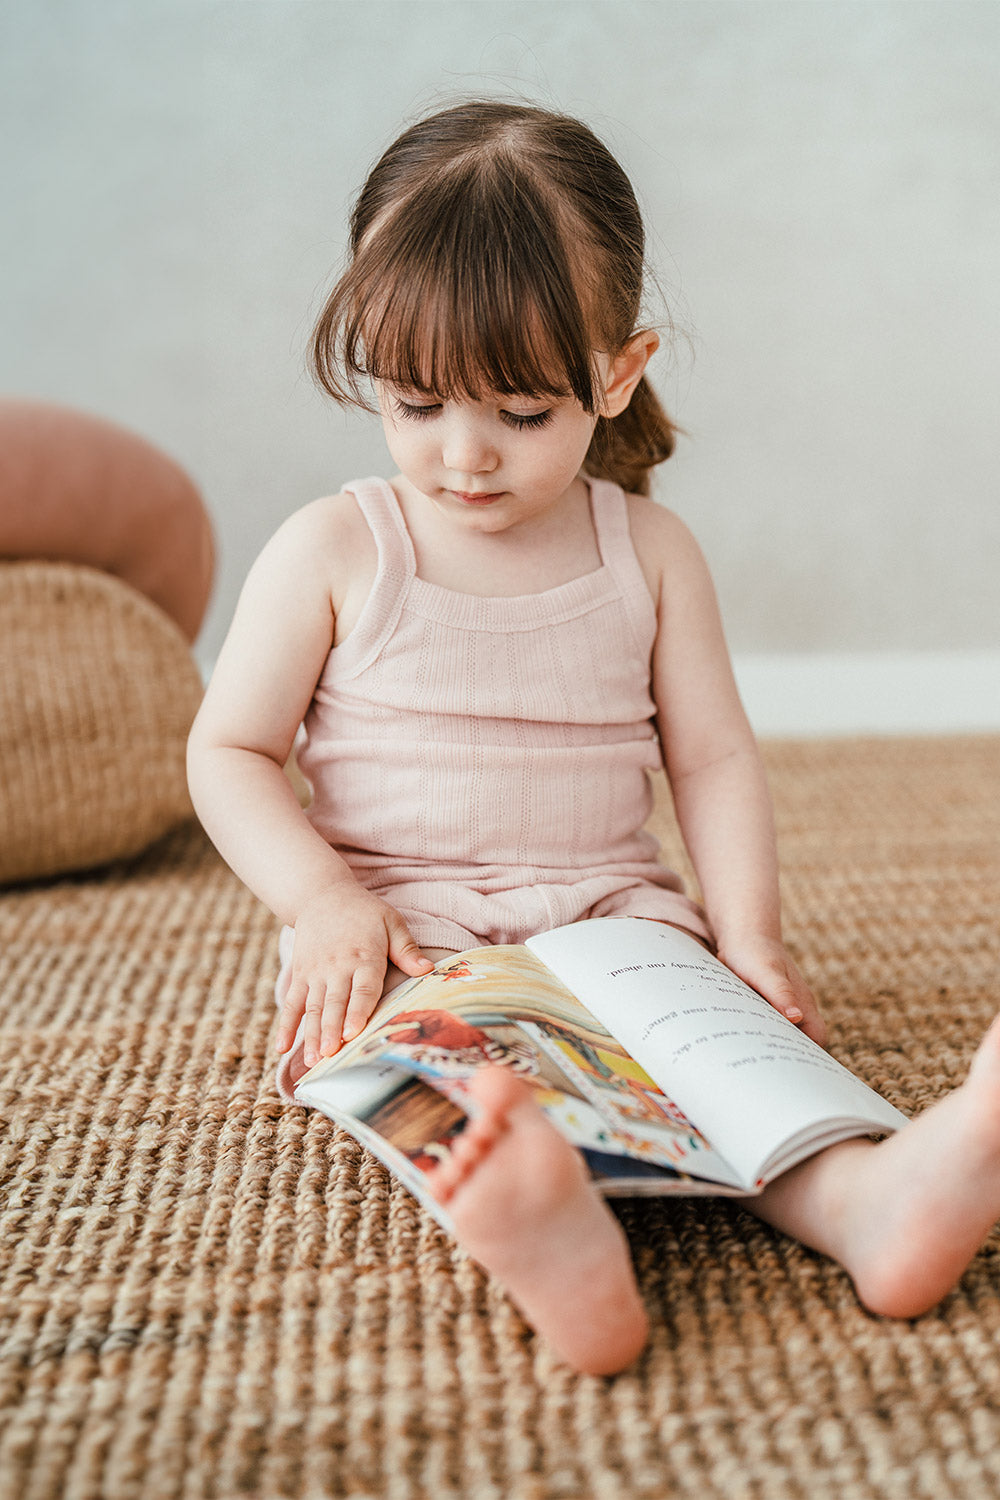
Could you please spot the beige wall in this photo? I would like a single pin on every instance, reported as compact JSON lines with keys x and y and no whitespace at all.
{"x":821,"y":182}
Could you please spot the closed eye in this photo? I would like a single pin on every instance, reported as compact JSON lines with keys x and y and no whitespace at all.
{"x":412,"y":411}
{"x":519,"y":422}
{"x":416,"y":413}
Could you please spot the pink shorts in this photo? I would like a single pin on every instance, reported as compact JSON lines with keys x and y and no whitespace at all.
{"x":445,"y":914}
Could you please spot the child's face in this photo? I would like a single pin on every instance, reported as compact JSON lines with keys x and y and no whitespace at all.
{"x":489,"y":464}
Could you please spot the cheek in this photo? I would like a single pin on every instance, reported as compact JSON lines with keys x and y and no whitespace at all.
{"x":399,"y":442}
{"x":569,"y":448}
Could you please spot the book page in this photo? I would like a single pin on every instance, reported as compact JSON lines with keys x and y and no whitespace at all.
{"x":504,"y":1006}
{"x":744,"y":1074}
{"x":409,"y":1126}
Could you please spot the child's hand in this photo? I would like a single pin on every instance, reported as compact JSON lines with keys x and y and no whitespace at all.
{"x":767,"y":967}
{"x":344,"y":939}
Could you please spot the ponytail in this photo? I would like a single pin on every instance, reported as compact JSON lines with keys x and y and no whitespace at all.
{"x":626,"y":448}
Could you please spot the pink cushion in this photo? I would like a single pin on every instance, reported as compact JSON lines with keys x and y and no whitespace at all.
{"x":75,"y":488}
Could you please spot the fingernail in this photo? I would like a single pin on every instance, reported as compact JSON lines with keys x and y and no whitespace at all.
{"x":794,"y":1014}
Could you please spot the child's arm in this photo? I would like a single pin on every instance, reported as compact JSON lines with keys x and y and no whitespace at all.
{"x":259,"y":692}
{"x":715,"y":770}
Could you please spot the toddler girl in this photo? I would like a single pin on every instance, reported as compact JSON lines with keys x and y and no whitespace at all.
{"x":490,"y":652}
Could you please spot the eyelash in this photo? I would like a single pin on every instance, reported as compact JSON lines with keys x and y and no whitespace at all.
{"x":536,"y":419}
{"x":509,"y":418}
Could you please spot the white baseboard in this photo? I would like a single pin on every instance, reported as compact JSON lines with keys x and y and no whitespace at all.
{"x":892,"y":692}
{"x":805,"y":694}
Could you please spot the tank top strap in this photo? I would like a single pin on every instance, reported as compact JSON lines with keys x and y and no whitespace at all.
{"x":609,"y":508}
{"x":394,"y":577}
{"x":380,"y":508}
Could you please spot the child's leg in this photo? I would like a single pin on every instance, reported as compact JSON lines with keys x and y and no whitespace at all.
{"x":522,"y":1204}
{"x":905,"y":1216}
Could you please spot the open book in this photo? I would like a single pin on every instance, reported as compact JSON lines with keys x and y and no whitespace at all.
{"x":669,"y":1073}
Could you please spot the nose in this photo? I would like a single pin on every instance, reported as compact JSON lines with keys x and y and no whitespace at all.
{"x":467,"y":447}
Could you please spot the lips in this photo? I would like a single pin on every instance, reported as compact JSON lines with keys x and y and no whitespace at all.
{"x":477,"y":499}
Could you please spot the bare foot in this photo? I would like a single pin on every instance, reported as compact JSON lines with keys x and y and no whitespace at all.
{"x":522,"y":1204}
{"x":904,"y":1217}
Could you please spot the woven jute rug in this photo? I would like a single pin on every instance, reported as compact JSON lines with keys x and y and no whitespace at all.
{"x":209,"y":1294}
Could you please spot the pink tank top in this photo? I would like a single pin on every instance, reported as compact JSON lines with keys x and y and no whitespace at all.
{"x":455,"y":733}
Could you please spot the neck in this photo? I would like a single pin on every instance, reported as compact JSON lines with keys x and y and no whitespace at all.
{"x":543,"y":553}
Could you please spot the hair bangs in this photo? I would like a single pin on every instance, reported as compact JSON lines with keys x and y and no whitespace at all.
{"x":463,"y":291}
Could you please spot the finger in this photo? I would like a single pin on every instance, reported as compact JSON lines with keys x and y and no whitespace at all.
{"x":332,"y":1028}
{"x":811,"y":1022}
{"x":814,"y":1026}
{"x":404,"y":950}
{"x":314,"y":1015}
{"x":781,"y":992}
{"x":795,"y":1000}
{"x":785,"y":999}
{"x":366,"y":992}
{"x":291,"y":1014}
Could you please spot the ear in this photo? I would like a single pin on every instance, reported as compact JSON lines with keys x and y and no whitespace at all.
{"x":626,"y":370}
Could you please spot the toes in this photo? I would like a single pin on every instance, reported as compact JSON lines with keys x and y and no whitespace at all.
{"x":496,"y":1091}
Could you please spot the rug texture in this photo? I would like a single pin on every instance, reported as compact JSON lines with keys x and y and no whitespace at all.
{"x":208,"y":1294}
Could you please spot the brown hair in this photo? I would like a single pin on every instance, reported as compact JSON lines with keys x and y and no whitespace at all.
{"x":494,"y":247}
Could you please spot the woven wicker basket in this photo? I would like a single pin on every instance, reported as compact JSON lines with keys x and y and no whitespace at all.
{"x":98,"y":689}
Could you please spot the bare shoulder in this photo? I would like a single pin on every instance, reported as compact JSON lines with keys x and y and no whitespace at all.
{"x":286,"y":619}
{"x":322,"y":532}
{"x":326,"y":545}
{"x":650,"y":521}
{"x":665,"y":546}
